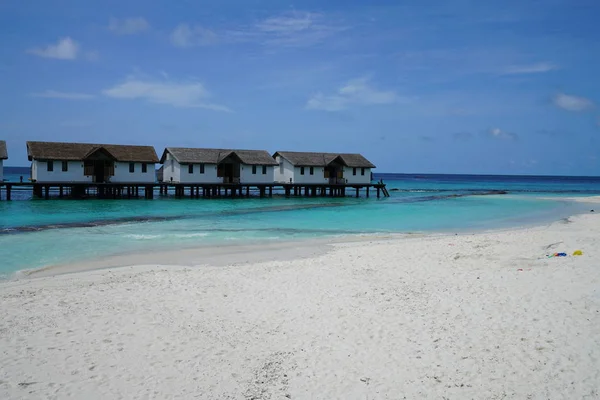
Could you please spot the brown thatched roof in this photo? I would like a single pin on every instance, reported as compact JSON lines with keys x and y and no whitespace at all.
{"x":185,"y":155}
{"x":3,"y":152}
{"x":308,"y":159}
{"x":79,"y":151}
{"x":356,"y":161}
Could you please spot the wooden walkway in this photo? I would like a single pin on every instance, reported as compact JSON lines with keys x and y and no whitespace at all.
{"x":50,"y":190}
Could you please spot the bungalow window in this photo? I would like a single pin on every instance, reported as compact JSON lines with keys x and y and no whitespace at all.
{"x":301,"y":170}
{"x":264,"y":168}
{"x":65,"y":166}
{"x":191,"y":169}
{"x":362,"y":171}
{"x":50,"y":166}
{"x":144,"y":168}
{"x":254,"y":169}
{"x":353,"y":171}
{"x":201,"y":168}
{"x":312,"y":170}
{"x":131,"y":167}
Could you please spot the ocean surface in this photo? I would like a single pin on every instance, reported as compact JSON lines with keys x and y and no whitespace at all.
{"x":39,"y":233}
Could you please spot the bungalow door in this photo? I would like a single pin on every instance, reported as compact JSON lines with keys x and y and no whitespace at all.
{"x":100,"y":165}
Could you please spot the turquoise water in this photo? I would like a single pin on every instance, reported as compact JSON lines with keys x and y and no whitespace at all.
{"x":38,"y":233}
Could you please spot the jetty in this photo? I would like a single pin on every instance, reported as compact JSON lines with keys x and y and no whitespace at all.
{"x":66,"y":190}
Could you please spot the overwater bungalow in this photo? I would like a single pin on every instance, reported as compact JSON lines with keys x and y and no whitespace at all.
{"x":56,"y":162}
{"x":217,"y":166}
{"x":3,"y":156}
{"x":324,"y":168}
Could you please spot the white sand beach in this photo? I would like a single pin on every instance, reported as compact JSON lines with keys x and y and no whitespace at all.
{"x":470,"y":316}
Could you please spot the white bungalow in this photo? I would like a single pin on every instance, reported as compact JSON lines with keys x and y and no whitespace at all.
{"x":325,"y":168}
{"x":193,"y":165}
{"x":55,"y":162}
{"x":3,"y":156}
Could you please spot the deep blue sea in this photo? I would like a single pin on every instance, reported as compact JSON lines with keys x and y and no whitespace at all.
{"x":38,"y":233}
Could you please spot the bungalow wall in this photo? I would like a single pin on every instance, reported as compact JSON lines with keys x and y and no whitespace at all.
{"x":284,"y":172}
{"x":249,"y":174}
{"x":357,"y":175}
{"x":74,"y":173}
{"x":123,"y":173}
{"x":75,"y":170}
{"x":303,"y":175}
{"x":181,"y":173}
{"x":201,"y":173}
{"x":171,"y":170}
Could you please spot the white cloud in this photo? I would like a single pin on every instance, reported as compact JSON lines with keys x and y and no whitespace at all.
{"x":185,"y":36}
{"x":498,"y":133}
{"x":531,"y":69}
{"x":295,"y":22}
{"x":53,"y":94}
{"x":355,"y":92}
{"x":295,"y":29}
{"x":291,"y":29}
{"x":572,"y":103}
{"x":65,"y":49}
{"x":128,"y":26}
{"x":176,"y":94}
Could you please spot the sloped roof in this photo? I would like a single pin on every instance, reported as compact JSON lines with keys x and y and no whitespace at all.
{"x":3,"y":152}
{"x":255,"y":157}
{"x":309,"y":159}
{"x":356,"y":161}
{"x":186,"y":155}
{"x":78,"y":151}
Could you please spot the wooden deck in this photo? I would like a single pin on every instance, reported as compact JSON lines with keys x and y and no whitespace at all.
{"x":48,"y":190}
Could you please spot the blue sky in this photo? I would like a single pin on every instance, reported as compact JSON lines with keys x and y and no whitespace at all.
{"x":441,"y":86}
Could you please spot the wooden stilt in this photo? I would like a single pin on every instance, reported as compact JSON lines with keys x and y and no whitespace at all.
{"x":232,"y":190}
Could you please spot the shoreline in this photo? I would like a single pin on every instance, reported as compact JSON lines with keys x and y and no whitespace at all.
{"x":219,"y":255}
{"x":239,"y":254}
